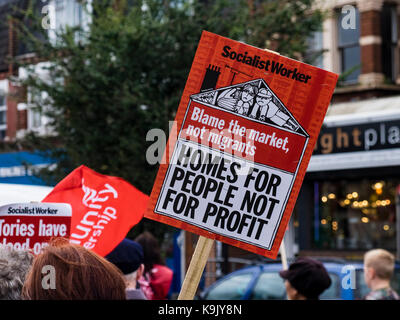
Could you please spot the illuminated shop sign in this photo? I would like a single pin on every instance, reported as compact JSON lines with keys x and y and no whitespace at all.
{"x":358,"y":137}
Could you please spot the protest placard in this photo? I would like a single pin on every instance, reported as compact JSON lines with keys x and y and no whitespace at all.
{"x":243,"y":135}
{"x":30,"y":226}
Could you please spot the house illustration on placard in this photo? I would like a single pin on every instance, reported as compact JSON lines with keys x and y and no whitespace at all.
{"x":254,"y":100}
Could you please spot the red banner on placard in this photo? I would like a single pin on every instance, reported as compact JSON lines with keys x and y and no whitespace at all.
{"x":30,"y":226}
{"x":104,"y":208}
{"x":245,"y":138}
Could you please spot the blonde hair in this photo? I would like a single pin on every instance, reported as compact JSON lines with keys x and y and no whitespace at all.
{"x":382,"y":261}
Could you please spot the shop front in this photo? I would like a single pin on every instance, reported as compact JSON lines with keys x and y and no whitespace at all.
{"x":350,"y":199}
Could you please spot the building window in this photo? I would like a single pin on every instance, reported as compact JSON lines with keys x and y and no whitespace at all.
{"x":70,"y":13}
{"x":315,"y":49}
{"x":34,"y":112}
{"x":35,"y":120}
{"x":349,"y":49}
{"x":355,"y":215}
{"x":389,"y":41}
{"x":3,"y":117}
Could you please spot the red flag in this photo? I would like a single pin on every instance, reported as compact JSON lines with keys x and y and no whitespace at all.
{"x":104,"y":208}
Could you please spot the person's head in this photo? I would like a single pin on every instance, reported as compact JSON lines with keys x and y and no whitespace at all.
{"x":151,"y":250}
{"x":248,"y":93}
{"x":263,"y":97}
{"x":14,"y":265}
{"x":378,"y":266}
{"x":64,"y":271}
{"x":306,"y":279}
{"x":128,"y":257}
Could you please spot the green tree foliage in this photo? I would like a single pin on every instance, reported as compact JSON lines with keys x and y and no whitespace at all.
{"x":109,"y":85}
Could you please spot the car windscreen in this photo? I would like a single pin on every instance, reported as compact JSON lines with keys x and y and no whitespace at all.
{"x":232,"y":288}
{"x":333,"y":292}
{"x":269,"y":286}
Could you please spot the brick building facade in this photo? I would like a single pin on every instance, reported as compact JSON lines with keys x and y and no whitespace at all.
{"x":11,"y":119}
{"x":16,"y":118}
{"x":379,"y":49}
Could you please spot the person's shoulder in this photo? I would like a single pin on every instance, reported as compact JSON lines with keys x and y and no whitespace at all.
{"x":373,"y":295}
{"x":382,"y":294}
{"x":161,"y":273}
{"x":135,"y":294}
{"x":394,"y":295}
{"x":159,"y":268}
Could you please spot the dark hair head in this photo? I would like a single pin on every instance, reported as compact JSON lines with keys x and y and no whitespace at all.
{"x":151,"y":250}
{"x":308,"y":276}
{"x":127,"y":256}
{"x":79,"y":274}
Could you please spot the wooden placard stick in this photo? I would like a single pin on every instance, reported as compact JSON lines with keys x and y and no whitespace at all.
{"x":282,"y":250}
{"x":196,"y":267}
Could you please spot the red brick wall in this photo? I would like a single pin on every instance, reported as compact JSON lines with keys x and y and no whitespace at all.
{"x":371,"y":53}
{"x":12,"y":115}
{"x":371,"y":58}
{"x":370,"y":23}
{"x":22,"y":119}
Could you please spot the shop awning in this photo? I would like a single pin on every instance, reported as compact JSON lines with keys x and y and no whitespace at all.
{"x":363,"y":111}
{"x":20,"y":167}
{"x":14,"y":193}
{"x":375,"y":119}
